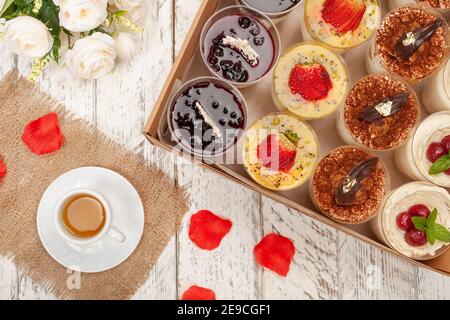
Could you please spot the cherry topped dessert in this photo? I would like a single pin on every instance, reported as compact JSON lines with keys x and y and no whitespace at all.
{"x":239,"y":48}
{"x":271,"y":6}
{"x":438,"y":153}
{"x":207,"y":117}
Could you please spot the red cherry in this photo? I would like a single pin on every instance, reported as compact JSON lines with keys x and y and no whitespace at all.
{"x":435,"y":151}
{"x":419,"y":210}
{"x":416,"y":238}
{"x":446,"y":143}
{"x":447,"y":172}
{"x":404,"y":221}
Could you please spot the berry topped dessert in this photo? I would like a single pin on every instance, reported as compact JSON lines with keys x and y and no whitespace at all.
{"x":416,"y":220}
{"x":427,"y":154}
{"x":411,"y":43}
{"x":380,"y":113}
{"x":309,"y":81}
{"x":207,"y":117}
{"x":280,"y":151}
{"x":271,"y":6}
{"x":342,"y":24}
{"x":239,"y":48}
{"x":350,"y":185}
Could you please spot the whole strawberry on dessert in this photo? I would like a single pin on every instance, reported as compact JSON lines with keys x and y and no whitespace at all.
{"x":280,"y":151}
{"x":342,"y":24}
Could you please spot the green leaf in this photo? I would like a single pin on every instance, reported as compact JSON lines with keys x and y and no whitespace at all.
{"x":431,"y":235}
{"x":441,"y":233}
{"x":431,"y":221}
{"x":442,"y":164}
{"x":420,"y":223}
{"x":120,"y":13}
{"x":6,"y":6}
{"x":23,"y":2}
{"x":292,"y":136}
{"x":49,"y":14}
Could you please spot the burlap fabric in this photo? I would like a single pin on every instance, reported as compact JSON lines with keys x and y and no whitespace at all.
{"x":29,"y":175}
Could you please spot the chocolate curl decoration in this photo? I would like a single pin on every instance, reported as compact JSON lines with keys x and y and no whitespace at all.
{"x":385,"y":108}
{"x":350,"y":185}
{"x":410,"y":42}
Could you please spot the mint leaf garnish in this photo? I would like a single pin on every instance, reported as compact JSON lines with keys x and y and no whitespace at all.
{"x":292,"y":136}
{"x":433,"y":230}
{"x":442,"y":164}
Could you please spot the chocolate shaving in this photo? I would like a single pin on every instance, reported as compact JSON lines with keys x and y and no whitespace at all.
{"x":386,"y":108}
{"x":351,"y":184}
{"x":410,"y":42}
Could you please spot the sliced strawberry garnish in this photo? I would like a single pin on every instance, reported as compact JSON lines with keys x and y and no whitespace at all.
{"x":198,"y":293}
{"x":312,"y":82}
{"x":207,"y":230}
{"x":277,"y":153}
{"x":43,"y":135}
{"x":275,"y":252}
{"x":3,"y":169}
{"x":343,"y":15}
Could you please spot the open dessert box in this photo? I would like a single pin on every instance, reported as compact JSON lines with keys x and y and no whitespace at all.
{"x":189,"y":65}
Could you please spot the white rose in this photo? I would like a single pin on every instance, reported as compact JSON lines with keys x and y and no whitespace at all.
{"x":82,"y":15}
{"x":138,"y":14}
{"x":127,"y":4}
{"x":92,"y":57}
{"x":2,"y":3}
{"x":126,"y":45}
{"x":27,"y":36}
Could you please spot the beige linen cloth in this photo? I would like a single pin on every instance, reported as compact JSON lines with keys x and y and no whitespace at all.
{"x":29,"y":175}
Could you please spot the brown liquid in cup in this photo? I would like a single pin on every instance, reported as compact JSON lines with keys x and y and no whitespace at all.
{"x":84,"y":216}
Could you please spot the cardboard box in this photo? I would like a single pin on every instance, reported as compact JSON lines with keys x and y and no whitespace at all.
{"x":189,"y":65}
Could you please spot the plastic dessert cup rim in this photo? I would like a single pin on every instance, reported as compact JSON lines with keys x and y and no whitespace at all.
{"x":439,"y":252}
{"x":445,"y":27}
{"x":411,"y":131}
{"x":187,"y":148}
{"x":386,"y":187}
{"x":273,"y":15}
{"x":415,"y":139}
{"x":331,"y":47}
{"x":308,"y":177}
{"x":272,"y":29}
{"x":282,"y":107}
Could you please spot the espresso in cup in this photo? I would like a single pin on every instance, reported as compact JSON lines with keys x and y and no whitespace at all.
{"x":84,"y":216}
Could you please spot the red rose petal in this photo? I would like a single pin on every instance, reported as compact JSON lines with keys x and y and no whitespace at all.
{"x":198,"y":293}
{"x":275,"y":252}
{"x":207,"y":230}
{"x":43,"y":135}
{"x":3,"y":169}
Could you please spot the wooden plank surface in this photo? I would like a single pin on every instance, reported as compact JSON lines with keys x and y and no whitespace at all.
{"x":328,"y":264}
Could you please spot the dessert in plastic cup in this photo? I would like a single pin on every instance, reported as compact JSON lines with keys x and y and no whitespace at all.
{"x":310,"y":81}
{"x":429,"y":148}
{"x":276,"y":10}
{"x":436,"y":92}
{"x":280,"y":151}
{"x":240,"y":45}
{"x":411,"y":43}
{"x":380,"y":113}
{"x":207,"y":116}
{"x":395,"y":225}
{"x":440,"y":5}
{"x":350,"y":185}
{"x":341,"y":24}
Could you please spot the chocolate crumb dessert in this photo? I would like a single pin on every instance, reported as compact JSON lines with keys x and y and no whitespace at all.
{"x":412,"y":43}
{"x":438,"y":4}
{"x":381,"y":112}
{"x":350,"y":185}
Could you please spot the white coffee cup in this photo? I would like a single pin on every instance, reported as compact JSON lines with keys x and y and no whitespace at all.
{"x":107,"y":230}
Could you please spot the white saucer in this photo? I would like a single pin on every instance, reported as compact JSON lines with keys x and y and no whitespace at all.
{"x":127,"y":215}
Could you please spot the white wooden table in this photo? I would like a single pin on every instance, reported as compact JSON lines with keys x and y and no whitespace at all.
{"x":328,"y":263}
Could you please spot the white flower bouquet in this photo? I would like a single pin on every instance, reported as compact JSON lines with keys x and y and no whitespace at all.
{"x":84,"y":38}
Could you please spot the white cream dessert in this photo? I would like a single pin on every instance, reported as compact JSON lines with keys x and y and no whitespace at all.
{"x":396,"y":227}
{"x":309,"y":81}
{"x":429,"y":143}
{"x":436,"y":92}
{"x":342,"y":24}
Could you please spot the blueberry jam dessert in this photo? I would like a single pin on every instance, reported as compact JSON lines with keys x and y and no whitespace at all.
{"x":207,"y":118}
{"x":272,"y":6}
{"x":239,"y":48}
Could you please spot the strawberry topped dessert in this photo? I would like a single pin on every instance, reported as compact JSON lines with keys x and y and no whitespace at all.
{"x":280,"y":151}
{"x":310,"y":81}
{"x":342,"y":24}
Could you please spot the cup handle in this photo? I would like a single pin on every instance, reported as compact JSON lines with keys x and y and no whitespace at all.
{"x":116,"y":234}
